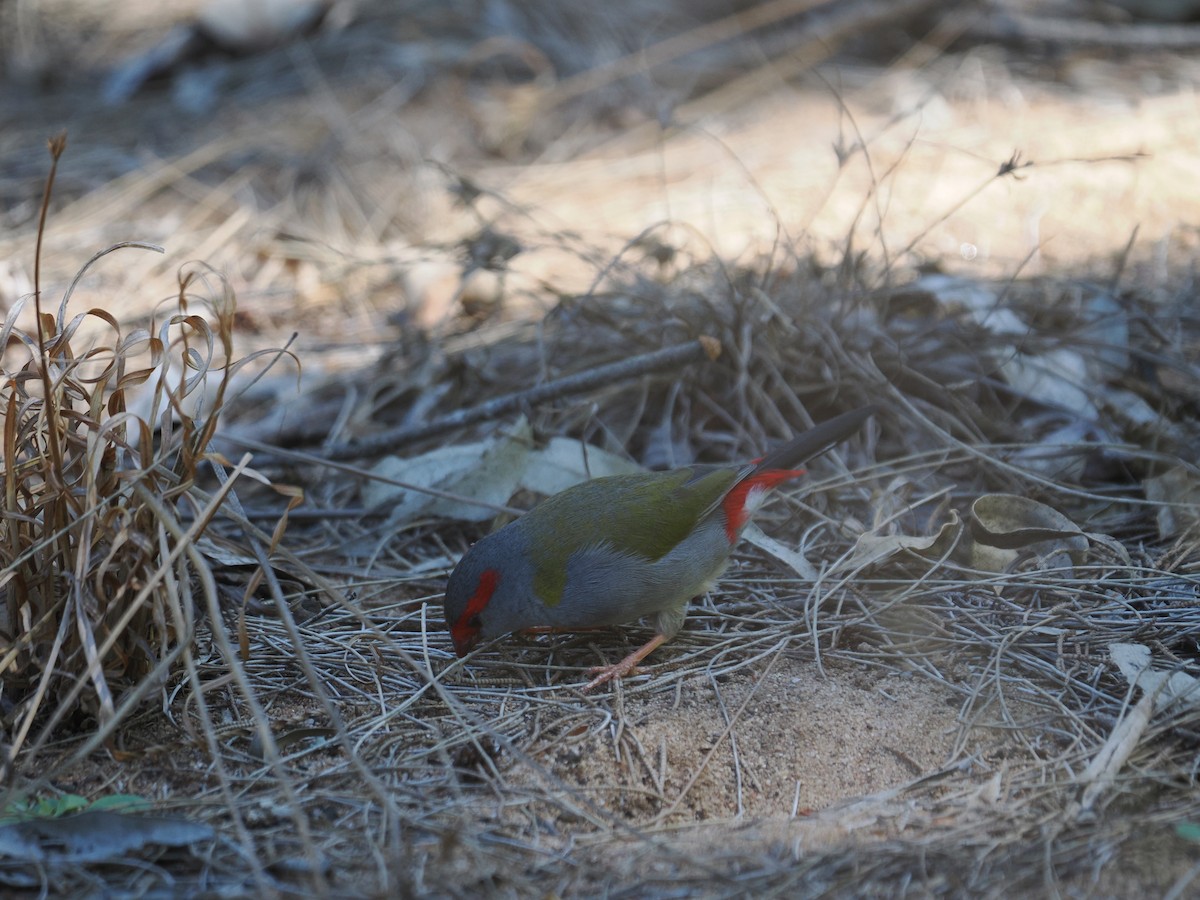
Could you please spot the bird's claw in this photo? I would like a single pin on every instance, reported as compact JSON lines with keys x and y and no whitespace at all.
{"x":605,"y":674}
{"x":627,"y":666}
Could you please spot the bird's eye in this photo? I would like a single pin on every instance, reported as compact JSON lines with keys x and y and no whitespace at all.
{"x":475,"y":623}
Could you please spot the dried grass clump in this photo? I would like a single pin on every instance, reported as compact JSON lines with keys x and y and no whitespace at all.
{"x":104,"y":433}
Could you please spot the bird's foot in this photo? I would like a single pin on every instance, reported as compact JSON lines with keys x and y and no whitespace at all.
{"x":604,"y":674}
{"x":627,"y":666}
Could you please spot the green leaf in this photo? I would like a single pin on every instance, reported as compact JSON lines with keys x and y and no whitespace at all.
{"x":53,"y":807}
{"x":66,"y":804}
{"x":122,"y":803}
{"x":1189,"y":831}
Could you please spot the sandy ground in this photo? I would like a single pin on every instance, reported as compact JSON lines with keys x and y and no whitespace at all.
{"x":779,"y":746}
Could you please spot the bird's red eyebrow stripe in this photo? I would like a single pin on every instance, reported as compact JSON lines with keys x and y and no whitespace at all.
{"x":487,"y":586}
{"x":735,"y":501}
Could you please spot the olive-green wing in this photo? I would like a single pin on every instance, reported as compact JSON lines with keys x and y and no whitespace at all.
{"x":645,"y":515}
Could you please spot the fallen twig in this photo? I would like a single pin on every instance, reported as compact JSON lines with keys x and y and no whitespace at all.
{"x":667,"y":358}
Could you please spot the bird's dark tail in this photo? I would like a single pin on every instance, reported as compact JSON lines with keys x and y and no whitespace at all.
{"x":816,"y":440}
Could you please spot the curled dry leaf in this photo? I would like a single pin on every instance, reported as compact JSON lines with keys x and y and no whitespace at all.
{"x":872,"y":549}
{"x":1007,"y":526}
{"x":1003,"y":528}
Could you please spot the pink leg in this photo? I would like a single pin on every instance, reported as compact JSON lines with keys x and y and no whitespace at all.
{"x":625,"y":666}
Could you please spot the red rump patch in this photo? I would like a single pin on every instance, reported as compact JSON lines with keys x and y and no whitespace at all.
{"x":738,"y":510}
{"x":464,"y":633}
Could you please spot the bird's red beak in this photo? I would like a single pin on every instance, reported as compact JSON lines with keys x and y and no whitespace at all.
{"x":468,"y":630}
{"x":464,"y":640}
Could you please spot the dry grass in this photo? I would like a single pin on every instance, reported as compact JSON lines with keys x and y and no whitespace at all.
{"x":100,"y":512}
{"x":908,"y":722}
{"x":106,"y":577}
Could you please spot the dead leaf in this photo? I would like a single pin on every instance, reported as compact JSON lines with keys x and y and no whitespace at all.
{"x":1053,"y":378}
{"x":1166,"y":686}
{"x":1005,"y":527}
{"x":1160,"y":688}
{"x":488,"y":471}
{"x":794,"y":559}
{"x":566,"y":462}
{"x":872,"y":549}
{"x":1063,"y":453}
{"x":1178,"y":492}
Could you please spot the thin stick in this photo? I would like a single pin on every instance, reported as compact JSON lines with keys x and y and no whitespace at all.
{"x":667,"y":358}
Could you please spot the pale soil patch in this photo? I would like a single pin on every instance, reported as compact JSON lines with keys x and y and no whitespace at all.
{"x":786,"y":745}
